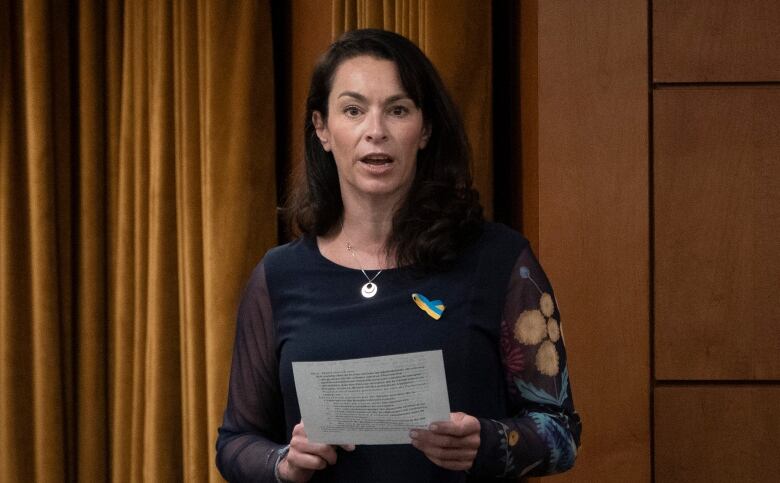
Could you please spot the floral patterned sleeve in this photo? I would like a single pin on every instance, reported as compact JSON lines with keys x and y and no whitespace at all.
{"x":543,"y":435}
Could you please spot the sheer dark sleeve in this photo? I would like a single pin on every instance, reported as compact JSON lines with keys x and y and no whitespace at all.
{"x":252,"y":429}
{"x":543,"y":435}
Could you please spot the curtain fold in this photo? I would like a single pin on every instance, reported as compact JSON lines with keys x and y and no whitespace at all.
{"x":137,"y":168}
{"x":238,"y":178}
{"x":45,"y":92}
{"x":34,"y":262}
{"x":89,"y":331}
{"x":188,"y":114}
{"x":162,"y":415}
{"x":406,"y":17}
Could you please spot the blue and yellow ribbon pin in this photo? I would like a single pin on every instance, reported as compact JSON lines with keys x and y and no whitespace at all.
{"x":434,"y":308}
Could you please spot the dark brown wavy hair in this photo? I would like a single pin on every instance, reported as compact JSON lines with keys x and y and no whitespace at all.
{"x":441,"y":214}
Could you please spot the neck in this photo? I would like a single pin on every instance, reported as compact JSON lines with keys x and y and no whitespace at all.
{"x":368,"y":220}
{"x":366,"y":225}
{"x":366,"y":232}
{"x":367,"y":235}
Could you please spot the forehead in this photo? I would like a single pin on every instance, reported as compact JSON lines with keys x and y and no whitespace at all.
{"x":368,"y":76}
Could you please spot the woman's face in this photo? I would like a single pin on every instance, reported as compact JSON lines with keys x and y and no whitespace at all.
{"x":373,"y":129}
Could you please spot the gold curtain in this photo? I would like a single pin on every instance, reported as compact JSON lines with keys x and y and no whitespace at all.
{"x":456,"y":36}
{"x":137,"y":190}
{"x":406,"y":17}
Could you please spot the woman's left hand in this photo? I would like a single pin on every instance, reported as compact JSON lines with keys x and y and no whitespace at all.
{"x":450,"y":444}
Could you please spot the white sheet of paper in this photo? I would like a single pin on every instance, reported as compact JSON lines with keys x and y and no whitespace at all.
{"x":375,"y":400}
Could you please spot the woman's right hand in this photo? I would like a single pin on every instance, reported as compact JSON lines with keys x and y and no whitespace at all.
{"x":304,"y":457}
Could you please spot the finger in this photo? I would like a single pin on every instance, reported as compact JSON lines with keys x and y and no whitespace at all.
{"x":449,"y":454}
{"x":452,"y":465}
{"x":304,"y":461}
{"x":300,"y":444}
{"x":430,"y":439}
{"x":460,"y":424}
{"x":299,"y":430}
{"x":447,"y":428}
{"x":324,"y":451}
{"x":289,"y":472}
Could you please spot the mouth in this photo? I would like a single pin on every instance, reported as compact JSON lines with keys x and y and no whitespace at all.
{"x":377,"y":159}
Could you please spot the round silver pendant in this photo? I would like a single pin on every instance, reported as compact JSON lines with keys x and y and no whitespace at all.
{"x":368,"y":290}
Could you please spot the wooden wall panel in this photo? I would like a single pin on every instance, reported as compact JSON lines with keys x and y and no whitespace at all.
{"x":717,"y":433}
{"x":591,"y":125}
{"x":716,"y":40}
{"x":717,"y":233}
{"x":528,"y":128}
{"x":457,"y":40}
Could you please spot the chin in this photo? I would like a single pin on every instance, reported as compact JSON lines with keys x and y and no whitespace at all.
{"x":382,"y":190}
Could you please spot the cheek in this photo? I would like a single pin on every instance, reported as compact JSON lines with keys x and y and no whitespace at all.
{"x":411,"y":134}
{"x":412,"y":139}
{"x":344,"y":137}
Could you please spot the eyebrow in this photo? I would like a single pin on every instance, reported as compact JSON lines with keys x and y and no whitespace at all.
{"x":362,"y":98}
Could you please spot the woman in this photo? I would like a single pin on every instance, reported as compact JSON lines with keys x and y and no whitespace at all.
{"x":387,"y":210}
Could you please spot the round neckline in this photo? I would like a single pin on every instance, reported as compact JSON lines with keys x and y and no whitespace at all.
{"x":312,"y":241}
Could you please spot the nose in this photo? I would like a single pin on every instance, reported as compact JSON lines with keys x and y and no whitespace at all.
{"x":375,"y":128}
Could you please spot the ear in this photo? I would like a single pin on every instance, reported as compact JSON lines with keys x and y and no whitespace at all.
{"x":426,"y":135}
{"x":321,"y":129}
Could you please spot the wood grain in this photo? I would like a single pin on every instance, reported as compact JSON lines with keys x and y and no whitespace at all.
{"x":717,"y":433}
{"x":591,"y":125}
{"x":717,"y":233}
{"x":457,"y":40}
{"x":716,"y":40}
{"x":528,"y":93}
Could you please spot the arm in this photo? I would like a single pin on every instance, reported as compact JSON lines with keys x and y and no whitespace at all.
{"x":252,"y":430}
{"x":250,"y":441}
{"x":543,"y":435}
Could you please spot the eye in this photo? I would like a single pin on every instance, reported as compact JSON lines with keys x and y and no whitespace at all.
{"x":352,"y":111}
{"x":399,"y":111}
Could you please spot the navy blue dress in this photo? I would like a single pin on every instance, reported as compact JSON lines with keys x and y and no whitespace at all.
{"x":501,"y":340}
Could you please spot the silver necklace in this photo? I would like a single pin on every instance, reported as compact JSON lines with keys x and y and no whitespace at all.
{"x":369,"y":288}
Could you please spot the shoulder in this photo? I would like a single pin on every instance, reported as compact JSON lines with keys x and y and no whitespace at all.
{"x":494,"y":255}
{"x":274,"y":262}
{"x":284,"y":265}
{"x":281,"y":256}
{"x":499,"y":237}
{"x":497,"y":249}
